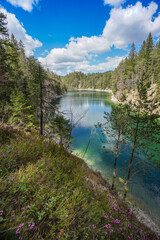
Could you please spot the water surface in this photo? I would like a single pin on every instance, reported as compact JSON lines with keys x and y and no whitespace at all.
{"x":88,"y":109}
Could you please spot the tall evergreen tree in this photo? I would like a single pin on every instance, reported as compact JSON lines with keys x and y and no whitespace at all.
{"x":143,"y":125}
{"x":149,"y":48}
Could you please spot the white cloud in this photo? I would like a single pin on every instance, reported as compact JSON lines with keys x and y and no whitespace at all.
{"x":125,"y":25}
{"x":15,"y":27}
{"x":25,"y":4}
{"x":110,"y":64}
{"x":115,"y":3}
{"x":132,"y":24}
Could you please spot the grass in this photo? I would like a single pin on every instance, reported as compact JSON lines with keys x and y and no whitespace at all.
{"x":47,"y":193}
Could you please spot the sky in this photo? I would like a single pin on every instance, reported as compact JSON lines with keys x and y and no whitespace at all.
{"x":81,"y":35}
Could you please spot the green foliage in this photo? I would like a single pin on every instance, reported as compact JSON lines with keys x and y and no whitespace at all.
{"x":53,"y":195}
{"x":3,"y":25}
{"x":59,"y":128}
{"x":80,"y":80}
{"x":26,"y":88}
{"x":22,"y":113}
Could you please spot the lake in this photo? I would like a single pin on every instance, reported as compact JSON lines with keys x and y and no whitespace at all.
{"x":88,"y":109}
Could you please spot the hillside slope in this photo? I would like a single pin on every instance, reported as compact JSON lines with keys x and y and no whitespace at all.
{"x":47,"y":193}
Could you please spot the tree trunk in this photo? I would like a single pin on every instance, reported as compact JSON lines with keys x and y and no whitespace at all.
{"x":131,"y":159}
{"x":41,"y":103}
{"x":115,"y":161}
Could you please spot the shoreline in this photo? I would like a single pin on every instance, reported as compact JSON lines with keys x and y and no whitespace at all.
{"x":113,"y":98}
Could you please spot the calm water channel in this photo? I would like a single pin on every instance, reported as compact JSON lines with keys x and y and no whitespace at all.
{"x":144,"y":187}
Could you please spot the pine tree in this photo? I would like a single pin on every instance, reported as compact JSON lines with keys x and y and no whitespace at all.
{"x":21,"y":111}
{"x":143,"y":124}
{"x":4,"y":82}
{"x":13,"y":61}
{"x":149,"y":48}
{"x":115,"y":128}
{"x":3,"y":26}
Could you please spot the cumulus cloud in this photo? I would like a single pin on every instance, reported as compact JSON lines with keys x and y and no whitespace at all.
{"x":115,"y":3}
{"x":15,"y":27}
{"x":132,"y":24}
{"x":125,"y":25}
{"x":110,"y":64}
{"x":25,"y":4}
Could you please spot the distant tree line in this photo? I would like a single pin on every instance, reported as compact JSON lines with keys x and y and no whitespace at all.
{"x":77,"y":80}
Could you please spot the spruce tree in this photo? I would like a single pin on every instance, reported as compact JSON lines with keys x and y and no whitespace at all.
{"x":21,"y":111}
{"x":115,"y":128}
{"x":143,"y":124}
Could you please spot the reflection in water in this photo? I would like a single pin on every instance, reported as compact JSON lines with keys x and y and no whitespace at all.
{"x":145,"y":184}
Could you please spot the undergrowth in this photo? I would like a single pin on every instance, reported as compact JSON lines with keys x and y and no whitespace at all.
{"x":46,"y":193}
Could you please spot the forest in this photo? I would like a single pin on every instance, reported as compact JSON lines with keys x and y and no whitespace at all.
{"x":26,"y":88}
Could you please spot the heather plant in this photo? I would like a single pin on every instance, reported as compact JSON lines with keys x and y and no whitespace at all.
{"x":54,"y":195}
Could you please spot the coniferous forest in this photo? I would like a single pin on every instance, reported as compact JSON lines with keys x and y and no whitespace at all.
{"x":26,"y":88}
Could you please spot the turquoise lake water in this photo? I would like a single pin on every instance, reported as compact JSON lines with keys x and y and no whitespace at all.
{"x":144,"y":188}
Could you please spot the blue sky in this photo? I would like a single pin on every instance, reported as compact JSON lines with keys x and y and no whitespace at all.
{"x":81,"y":35}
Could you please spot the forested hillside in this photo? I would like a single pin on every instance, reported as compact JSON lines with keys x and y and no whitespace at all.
{"x":95,"y":80}
{"x":123,"y":79}
{"x":26,"y":88}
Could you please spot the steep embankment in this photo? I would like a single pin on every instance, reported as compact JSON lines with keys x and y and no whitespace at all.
{"x":47,"y":193}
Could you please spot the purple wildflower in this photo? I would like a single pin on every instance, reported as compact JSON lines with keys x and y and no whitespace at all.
{"x":32,"y":226}
{"x":23,"y":208}
{"x":93,"y":226}
{"x":15,"y":201}
{"x":106,"y":233}
{"x":29,"y":179}
{"x":1,"y":212}
{"x":129,"y":226}
{"x":108,"y":226}
{"x":120,"y":229}
{"x":21,"y":225}
{"x":29,"y":224}
{"x":111,"y":231}
{"x":69,"y":171}
{"x":18,"y":231}
{"x":28,"y":206}
{"x":106,"y":216}
{"x":116,"y":221}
